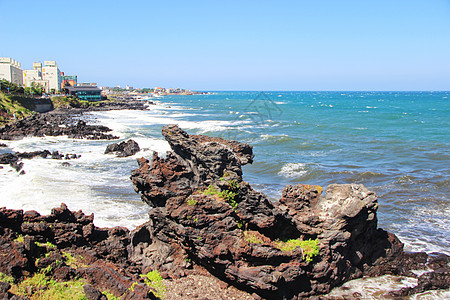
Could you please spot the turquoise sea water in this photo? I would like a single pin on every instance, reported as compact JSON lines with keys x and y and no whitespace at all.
{"x":395,"y":143}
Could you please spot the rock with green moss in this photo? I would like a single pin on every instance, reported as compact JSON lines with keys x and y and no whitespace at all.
{"x":303,"y":245}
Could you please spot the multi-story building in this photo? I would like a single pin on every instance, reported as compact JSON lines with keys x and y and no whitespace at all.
{"x":85,"y":92}
{"x":30,"y":76}
{"x":11,"y":70}
{"x":52,"y":74}
{"x":68,"y":80}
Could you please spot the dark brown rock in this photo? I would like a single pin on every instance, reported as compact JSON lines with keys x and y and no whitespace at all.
{"x":123,"y":149}
{"x":205,"y":212}
{"x":92,"y":293}
{"x":54,"y":124}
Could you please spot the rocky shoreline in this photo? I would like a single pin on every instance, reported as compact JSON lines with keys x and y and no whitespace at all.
{"x":67,"y":122}
{"x":207,"y":223}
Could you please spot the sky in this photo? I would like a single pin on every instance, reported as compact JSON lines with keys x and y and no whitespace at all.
{"x":236,"y":45}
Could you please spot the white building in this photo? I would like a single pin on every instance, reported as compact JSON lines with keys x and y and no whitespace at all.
{"x":30,"y":76}
{"x":11,"y":70}
{"x":52,"y":74}
{"x":35,"y":75}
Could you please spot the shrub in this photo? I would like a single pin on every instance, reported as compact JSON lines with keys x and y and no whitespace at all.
{"x":192,"y":202}
{"x":154,"y":280}
{"x":19,"y":239}
{"x":6,"y":278}
{"x":253,"y":237}
{"x":41,"y":287}
{"x":227,"y":195}
{"x":310,"y":247}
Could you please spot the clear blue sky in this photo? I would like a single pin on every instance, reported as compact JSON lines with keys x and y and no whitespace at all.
{"x":236,"y":45}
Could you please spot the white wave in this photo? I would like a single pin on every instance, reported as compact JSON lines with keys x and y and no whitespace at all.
{"x":95,"y":183}
{"x":415,"y":233}
{"x":293,"y":170}
{"x":47,"y":184}
{"x":373,"y":287}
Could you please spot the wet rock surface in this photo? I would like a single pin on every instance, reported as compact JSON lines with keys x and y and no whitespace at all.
{"x":205,"y":214}
{"x":73,"y":247}
{"x":123,"y":149}
{"x":54,"y":124}
{"x":15,"y":159}
{"x":207,"y":221}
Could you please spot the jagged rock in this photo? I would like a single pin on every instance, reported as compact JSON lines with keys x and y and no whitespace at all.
{"x":54,"y":124}
{"x":3,"y":145}
{"x":101,"y":255}
{"x":30,"y":155}
{"x":13,"y":159}
{"x":7,"y":158}
{"x":4,"y":287}
{"x":92,"y":293}
{"x":204,"y":212}
{"x":123,"y":149}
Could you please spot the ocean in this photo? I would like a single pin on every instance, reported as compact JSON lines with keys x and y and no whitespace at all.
{"x":395,"y":143}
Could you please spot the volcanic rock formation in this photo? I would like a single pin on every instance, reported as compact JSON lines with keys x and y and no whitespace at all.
{"x":303,"y":245}
{"x":123,"y":149}
{"x":54,"y":124}
{"x":66,"y":245}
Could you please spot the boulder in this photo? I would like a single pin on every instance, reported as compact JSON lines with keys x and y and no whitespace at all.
{"x":123,"y":149}
{"x":302,"y":245}
{"x":54,"y":124}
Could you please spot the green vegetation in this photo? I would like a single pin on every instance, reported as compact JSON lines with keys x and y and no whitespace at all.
{"x":241,"y":224}
{"x":9,"y":87}
{"x":192,"y":202}
{"x":154,"y":280}
{"x":211,"y":190}
{"x":110,"y":296}
{"x":310,"y":247}
{"x":227,"y":195}
{"x":72,"y":261}
{"x":19,"y":239}
{"x":6,"y":278}
{"x":14,"y":105}
{"x":48,"y":245}
{"x":68,"y":102}
{"x":253,"y":237}
{"x":42,"y":287}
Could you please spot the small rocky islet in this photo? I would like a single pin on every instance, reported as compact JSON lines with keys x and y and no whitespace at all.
{"x":205,"y":220}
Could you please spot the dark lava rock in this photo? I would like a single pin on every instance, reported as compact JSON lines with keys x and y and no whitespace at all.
{"x":206,"y":217}
{"x":204,"y":212}
{"x":54,"y":124}
{"x":13,"y":159}
{"x":123,"y":149}
{"x":8,"y":158}
{"x":71,"y":245}
{"x":92,"y":293}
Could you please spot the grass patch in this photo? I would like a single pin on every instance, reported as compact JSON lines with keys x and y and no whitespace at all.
{"x":154,"y":280}
{"x":72,"y":261}
{"x":19,"y":239}
{"x":253,"y":237}
{"x":110,"y":296}
{"x":310,"y":247}
{"x":47,"y":245}
{"x":227,"y":195}
{"x":41,"y":287}
{"x":11,"y":105}
{"x":192,"y":202}
{"x":6,"y":278}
